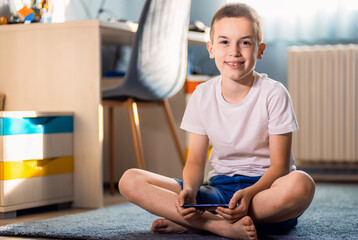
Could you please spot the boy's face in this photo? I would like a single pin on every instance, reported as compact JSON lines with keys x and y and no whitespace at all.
{"x":235,"y":48}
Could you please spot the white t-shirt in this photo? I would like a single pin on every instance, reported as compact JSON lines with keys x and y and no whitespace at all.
{"x":239,"y":133}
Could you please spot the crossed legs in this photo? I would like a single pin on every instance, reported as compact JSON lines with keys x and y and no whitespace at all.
{"x":288,"y":197}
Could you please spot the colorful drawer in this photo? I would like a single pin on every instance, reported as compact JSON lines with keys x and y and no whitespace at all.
{"x":36,"y":159}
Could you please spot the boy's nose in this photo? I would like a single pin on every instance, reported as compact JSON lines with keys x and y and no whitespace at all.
{"x":235,"y":51}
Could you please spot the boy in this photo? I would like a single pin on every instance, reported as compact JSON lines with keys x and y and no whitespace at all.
{"x":249,"y":120}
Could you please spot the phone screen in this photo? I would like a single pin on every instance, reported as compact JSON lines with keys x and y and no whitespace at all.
{"x":207,"y":207}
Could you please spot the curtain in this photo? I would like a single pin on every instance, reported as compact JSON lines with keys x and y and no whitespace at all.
{"x":308,"y":21}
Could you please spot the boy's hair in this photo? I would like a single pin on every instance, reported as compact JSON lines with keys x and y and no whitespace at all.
{"x":238,"y":10}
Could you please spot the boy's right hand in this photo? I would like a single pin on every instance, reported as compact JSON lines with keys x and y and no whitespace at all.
{"x":187,"y":196}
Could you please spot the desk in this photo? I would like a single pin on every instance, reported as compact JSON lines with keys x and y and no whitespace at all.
{"x":57,"y":67}
{"x":122,"y":33}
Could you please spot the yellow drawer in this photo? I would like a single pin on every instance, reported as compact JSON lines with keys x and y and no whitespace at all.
{"x":36,"y":168}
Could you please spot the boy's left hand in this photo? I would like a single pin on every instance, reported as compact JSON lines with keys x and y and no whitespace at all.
{"x":238,"y":207}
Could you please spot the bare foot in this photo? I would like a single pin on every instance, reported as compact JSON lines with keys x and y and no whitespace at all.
{"x":166,"y":226}
{"x":242,"y":229}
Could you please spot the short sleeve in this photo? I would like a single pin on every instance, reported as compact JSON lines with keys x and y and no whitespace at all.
{"x":281,"y":117}
{"x":192,"y":120}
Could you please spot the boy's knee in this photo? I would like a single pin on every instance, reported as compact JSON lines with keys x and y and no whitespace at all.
{"x":128,"y":181}
{"x":305,"y":184}
{"x":301,"y":187}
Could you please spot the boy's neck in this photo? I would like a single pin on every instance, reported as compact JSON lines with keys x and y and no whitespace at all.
{"x":235,"y":92}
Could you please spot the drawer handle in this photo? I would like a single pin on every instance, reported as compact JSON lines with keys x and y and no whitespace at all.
{"x":40,"y":120}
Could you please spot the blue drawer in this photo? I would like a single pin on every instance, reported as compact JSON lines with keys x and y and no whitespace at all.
{"x":32,"y":125}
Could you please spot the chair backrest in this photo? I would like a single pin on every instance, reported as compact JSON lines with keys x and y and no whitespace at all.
{"x":158,"y":62}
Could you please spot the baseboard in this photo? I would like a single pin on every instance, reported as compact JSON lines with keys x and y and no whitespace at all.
{"x":331,"y":172}
{"x":335,"y":178}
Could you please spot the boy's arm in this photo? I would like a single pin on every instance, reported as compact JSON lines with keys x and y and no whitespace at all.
{"x":193,"y":173}
{"x":280,"y":153}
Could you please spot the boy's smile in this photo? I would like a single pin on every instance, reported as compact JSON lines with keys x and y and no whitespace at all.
{"x":235,"y":48}
{"x":234,"y":64}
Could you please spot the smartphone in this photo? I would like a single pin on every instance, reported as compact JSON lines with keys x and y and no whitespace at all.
{"x":207,"y":207}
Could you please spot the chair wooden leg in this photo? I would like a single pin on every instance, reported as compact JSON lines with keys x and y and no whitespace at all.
{"x":134,"y":117}
{"x":172,"y":126}
{"x":111,"y":150}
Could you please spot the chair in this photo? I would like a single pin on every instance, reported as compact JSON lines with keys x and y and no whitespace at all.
{"x":156,"y":70}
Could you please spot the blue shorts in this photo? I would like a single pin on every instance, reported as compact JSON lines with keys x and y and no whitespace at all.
{"x":221,"y":188}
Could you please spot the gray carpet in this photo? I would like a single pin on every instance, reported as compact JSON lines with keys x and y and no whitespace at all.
{"x":333,"y":215}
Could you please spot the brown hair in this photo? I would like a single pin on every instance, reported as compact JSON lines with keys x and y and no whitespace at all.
{"x":238,"y":10}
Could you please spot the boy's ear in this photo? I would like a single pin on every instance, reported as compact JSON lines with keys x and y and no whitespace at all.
{"x":262,"y":48}
{"x":209,"y":46}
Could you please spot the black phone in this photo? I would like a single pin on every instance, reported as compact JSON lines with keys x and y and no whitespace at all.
{"x":207,"y":207}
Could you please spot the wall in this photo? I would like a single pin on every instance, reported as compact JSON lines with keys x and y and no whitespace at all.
{"x":4,"y":9}
{"x":120,"y":9}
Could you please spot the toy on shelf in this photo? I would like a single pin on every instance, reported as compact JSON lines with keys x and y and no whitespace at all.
{"x":29,"y":11}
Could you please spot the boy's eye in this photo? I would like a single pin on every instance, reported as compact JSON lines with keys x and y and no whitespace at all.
{"x":224,"y":42}
{"x":246,"y":43}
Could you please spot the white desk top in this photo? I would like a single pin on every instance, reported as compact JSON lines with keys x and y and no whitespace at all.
{"x":122,"y":33}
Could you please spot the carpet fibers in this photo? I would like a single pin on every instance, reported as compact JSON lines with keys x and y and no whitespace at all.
{"x":332,"y":215}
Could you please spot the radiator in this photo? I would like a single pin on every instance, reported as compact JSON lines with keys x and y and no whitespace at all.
{"x":323,"y":82}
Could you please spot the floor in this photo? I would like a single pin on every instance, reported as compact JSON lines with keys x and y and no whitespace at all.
{"x":52,"y":211}
{"x":108,"y":200}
